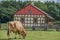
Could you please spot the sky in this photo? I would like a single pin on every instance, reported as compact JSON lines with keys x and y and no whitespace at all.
{"x":59,"y":1}
{"x":42,"y":0}
{"x":45,"y":0}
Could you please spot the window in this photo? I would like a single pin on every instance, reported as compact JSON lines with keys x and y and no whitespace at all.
{"x":38,"y":21}
{"x":31,"y":24}
{"x":28,"y":18}
{"x":31,"y":15}
{"x":43,"y":21}
{"x":25,"y":24}
{"x":34,"y":15}
{"x":28,"y":24}
{"x":16,"y":18}
{"x":43,"y":16}
{"x":31,"y":18}
{"x":28,"y":21}
{"x":40,"y":15}
{"x":37,"y":15}
{"x":38,"y":24}
{"x":23,"y":15}
{"x":31,"y":21}
{"x":20,"y":15}
{"x":26,"y":15}
{"x":17,"y":15}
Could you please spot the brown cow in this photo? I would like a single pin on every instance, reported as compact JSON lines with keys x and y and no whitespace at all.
{"x":16,"y":27}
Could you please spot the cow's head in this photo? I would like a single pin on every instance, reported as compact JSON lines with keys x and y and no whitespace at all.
{"x":23,"y":34}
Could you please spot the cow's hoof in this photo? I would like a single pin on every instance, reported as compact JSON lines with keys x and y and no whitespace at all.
{"x":9,"y":38}
{"x":15,"y":38}
{"x":23,"y":38}
{"x":19,"y":38}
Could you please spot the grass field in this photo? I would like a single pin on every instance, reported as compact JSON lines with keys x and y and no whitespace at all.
{"x":33,"y":35}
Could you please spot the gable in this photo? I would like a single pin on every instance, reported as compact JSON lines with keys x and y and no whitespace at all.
{"x":32,"y":10}
{"x":29,"y":9}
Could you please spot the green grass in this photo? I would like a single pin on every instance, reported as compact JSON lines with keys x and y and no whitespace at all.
{"x":33,"y":35}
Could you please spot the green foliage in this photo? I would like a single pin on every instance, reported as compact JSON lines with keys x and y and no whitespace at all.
{"x":41,"y":6}
{"x":53,"y":9}
{"x":7,"y":9}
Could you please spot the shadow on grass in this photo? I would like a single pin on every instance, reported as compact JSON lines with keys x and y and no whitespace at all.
{"x":3,"y":39}
{"x":6,"y":39}
{"x":9,"y":39}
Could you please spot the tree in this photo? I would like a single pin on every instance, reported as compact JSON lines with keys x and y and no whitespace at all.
{"x":8,"y":7}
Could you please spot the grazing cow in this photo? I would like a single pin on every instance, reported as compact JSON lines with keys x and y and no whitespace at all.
{"x":16,"y":27}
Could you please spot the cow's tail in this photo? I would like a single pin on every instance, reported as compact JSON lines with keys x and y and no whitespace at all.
{"x":8,"y":32}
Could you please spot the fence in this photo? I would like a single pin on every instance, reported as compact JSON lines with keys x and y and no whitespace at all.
{"x":3,"y":26}
{"x":47,"y":27}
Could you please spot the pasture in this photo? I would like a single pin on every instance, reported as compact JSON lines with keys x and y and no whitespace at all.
{"x":33,"y":35}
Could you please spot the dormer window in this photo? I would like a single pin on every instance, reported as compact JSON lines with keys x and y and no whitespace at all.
{"x":29,"y":11}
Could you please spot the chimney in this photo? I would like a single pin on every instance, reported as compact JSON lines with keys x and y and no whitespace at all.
{"x":33,"y":2}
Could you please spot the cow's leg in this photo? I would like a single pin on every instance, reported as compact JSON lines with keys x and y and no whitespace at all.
{"x":19,"y":35}
{"x":15,"y":35}
{"x":8,"y":33}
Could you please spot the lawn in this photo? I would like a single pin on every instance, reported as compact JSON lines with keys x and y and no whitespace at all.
{"x":33,"y":35}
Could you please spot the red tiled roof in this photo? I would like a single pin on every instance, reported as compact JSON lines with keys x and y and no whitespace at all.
{"x":32,"y":9}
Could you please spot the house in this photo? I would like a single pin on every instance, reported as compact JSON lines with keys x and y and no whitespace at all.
{"x":31,"y":15}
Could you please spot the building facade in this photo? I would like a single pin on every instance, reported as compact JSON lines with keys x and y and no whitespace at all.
{"x":31,"y":16}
